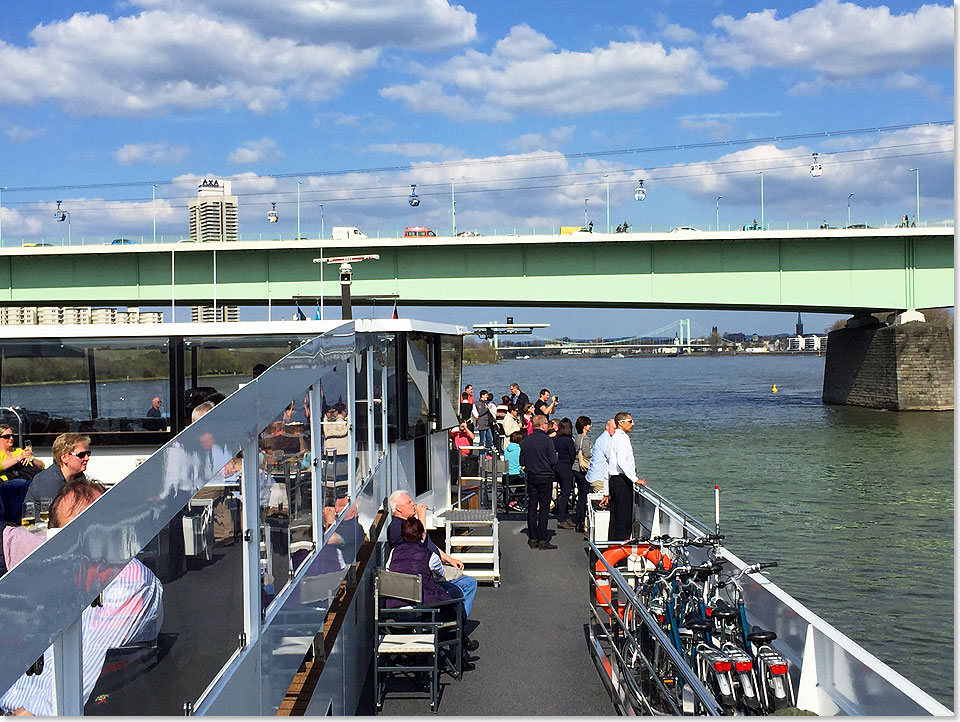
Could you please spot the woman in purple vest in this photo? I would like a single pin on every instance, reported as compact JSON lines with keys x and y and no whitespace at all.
{"x":413,"y":557}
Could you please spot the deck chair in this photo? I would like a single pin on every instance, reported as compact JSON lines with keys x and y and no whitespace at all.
{"x":415,"y":638}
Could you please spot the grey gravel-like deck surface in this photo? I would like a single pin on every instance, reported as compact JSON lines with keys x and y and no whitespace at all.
{"x":533,"y":657}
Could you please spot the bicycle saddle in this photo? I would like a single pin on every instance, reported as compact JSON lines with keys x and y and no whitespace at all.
{"x":759,"y":635}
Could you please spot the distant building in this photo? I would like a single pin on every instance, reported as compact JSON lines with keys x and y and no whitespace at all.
{"x":72,"y":315}
{"x":213,"y":215}
{"x":209,"y":314}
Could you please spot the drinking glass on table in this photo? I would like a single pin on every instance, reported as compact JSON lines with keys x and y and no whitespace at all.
{"x":29,"y":514}
{"x":44,"y":509}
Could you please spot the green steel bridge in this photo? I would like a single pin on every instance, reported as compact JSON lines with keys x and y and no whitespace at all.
{"x":832,"y":270}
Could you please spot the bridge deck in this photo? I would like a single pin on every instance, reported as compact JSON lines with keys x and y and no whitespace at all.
{"x":533,"y":657}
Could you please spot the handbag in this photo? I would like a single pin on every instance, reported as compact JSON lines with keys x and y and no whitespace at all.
{"x":583,"y":463}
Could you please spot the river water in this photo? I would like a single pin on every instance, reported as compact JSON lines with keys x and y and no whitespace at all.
{"x":855,"y":504}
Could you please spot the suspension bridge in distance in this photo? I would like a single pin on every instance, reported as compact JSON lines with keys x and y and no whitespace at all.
{"x":658,"y":339}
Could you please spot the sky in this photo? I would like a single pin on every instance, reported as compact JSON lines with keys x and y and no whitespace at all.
{"x":516,"y":108}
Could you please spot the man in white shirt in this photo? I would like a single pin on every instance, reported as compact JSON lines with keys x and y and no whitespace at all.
{"x":621,"y":476}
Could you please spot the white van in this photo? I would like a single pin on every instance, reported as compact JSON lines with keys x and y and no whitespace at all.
{"x":347,"y":233}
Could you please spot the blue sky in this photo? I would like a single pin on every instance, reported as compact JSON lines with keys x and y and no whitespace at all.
{"x":518,"y":103}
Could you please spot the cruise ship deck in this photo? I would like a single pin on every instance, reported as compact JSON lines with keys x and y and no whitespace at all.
{"x":533,"y":657}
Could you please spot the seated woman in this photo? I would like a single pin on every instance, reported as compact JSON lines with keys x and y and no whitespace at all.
{"x":16,"y":463}
{"x":413,"y":557}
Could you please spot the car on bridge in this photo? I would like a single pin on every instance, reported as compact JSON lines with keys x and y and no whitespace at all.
{"x":120,"y":242}
{"x":34,"y":245}
{"x":418,"y":232}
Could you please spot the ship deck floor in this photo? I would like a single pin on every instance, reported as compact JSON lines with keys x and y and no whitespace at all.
{"x":533,"y":657}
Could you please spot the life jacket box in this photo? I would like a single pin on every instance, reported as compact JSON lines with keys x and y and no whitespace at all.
{"x":599,"y":518}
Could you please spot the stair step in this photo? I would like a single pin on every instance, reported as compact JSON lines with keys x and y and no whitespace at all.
{"x":483,"y":575}
{"x":469,"y":540}
{"x":475,"y":557}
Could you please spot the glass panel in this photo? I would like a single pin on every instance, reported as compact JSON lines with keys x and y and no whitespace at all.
{"x":214,"y":368}
{"x":361,"y":423}
{"x":393,"y":400}
{"x":104,"y":388}
{"x":335,"y":429}
{"x":451,"y":353}
{"x":379,"y":359}
{"x":418,"y":385}
{"x":195,"y":562}
{"x":286,"y":512}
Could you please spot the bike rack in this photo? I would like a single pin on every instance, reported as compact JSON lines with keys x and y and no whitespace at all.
{"x":606,"y":637}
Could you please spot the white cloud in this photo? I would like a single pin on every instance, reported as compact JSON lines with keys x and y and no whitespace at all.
{"x":524,"y":73}
{"x":256,"y":151}
{"x":678,"y":34}
{"x":876,"y":173}
{"x":185,"y":60}
{"x":416,"y":150}
{"x":158,"y":153}
{"x":840,"y":41}
{"x":901,"y":80}
{"x":424,"y":24}
{"x":19,"y":134}
{"x":552,"y":139}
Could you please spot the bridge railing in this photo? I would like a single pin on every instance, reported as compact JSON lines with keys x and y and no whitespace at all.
{"x":10,"y":241}
{"x":248,"y":567}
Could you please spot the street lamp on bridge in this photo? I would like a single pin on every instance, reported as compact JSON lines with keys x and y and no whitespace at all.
{"x":154,"y":203}
{"x":762,"y":223}
{"x":585,"y":201}
{"x":606,"y":180}
{"x":321,"y":221}
{"x":916,"y":218}
{"x":848,"y":208}
{"x":718,"y":212}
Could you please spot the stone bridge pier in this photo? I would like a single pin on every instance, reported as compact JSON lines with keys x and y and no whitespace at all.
{"x":900,"y":367}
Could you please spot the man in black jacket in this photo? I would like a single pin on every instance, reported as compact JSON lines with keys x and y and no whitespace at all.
{"x":538,"y":458}
{"x":518,"y":397}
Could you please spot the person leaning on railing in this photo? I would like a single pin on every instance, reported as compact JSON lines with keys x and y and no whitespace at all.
{"x":16,"y":462}
{"x":131,"y":609}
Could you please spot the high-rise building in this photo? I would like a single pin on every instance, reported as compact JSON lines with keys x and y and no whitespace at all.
{"x":213,"y":215}
{"x":209,"y":314}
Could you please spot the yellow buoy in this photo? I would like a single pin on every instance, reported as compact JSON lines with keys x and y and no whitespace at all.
{"x":774,"y":389}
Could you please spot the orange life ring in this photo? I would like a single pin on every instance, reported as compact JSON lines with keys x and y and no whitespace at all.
{"x":615,"y":555}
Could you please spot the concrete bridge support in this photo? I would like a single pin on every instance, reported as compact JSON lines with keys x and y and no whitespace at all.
{"x":904,"y":367}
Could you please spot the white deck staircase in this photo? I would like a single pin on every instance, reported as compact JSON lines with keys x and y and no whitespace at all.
{"x":473,"y":535}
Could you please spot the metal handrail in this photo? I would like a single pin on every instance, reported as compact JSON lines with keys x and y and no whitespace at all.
{"x":13,"y":411}
{"x":706,"y":698}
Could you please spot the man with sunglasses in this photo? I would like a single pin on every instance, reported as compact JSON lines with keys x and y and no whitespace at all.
{"x":621,"y":476}
{"x":71,"y":454}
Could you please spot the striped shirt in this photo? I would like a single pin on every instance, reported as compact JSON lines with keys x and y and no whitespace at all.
{"x":132,"y":611}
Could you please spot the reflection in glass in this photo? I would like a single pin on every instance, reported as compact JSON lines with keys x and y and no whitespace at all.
{"x":335,"y":429}
{"x":379,"y":360}
{"x":361,"y":421}
{"x":418,"y":384}
{"x":286,"y":511}
{"x":197,"y":559}
{"x":451,"y":353}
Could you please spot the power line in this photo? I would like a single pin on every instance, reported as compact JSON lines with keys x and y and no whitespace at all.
{"x":509,"y":160}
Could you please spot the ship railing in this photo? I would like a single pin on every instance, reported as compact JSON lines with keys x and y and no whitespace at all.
{"x":633,"y":653}
{"x":240,"y":611}
{"x":832,"y":673}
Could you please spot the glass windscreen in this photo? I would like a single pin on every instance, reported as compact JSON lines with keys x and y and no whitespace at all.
{"x":418,"y":385}
{"x":216,"y":367}
{"x":361,"y":422}
{"x":115,"y":391}
{"x":451,"y":356}
{"x":192,"y":571}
